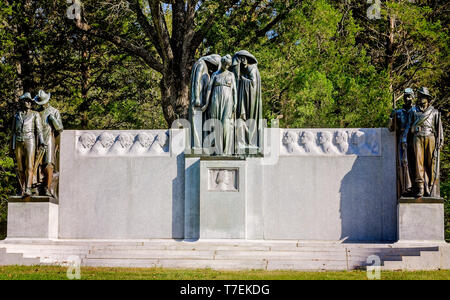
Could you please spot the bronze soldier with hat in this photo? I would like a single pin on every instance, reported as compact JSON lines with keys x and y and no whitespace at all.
{"x":398,"y":122}
{"x":52,"y":127}
{"x":428,"y":138}
{"x":26,"y":132}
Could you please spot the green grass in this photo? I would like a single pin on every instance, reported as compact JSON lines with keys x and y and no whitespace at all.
{"x":87,"y":273}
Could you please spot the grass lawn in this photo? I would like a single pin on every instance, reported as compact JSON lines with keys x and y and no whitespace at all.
{"x":87,"y":273}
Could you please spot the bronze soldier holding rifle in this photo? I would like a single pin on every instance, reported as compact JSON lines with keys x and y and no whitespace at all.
{"x":26,"y":132}
{"x":426,"y":127}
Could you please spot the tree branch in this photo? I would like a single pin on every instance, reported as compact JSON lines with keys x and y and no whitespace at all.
{"x":200,"y":34}
{"x":147,"y":27}
{"x":161,"y":30}
{"x":125,"y":45}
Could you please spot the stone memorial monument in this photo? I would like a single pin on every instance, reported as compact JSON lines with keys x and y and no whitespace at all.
{"x":258,"y":186}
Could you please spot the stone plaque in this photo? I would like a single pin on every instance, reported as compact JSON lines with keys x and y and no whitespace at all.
{"x":223,"y":180}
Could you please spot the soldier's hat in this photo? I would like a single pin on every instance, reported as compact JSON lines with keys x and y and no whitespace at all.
{"x":409,"y":91}
{"x":26,"y":96}
{"x":42,"y":98}
{"x":423,"y":91}
{"x":251,"y":59}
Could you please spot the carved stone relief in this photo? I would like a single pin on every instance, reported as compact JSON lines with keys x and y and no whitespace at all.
{"x":223,"y":180}
{"x":331,"y":142}
{"x":123,"y":143}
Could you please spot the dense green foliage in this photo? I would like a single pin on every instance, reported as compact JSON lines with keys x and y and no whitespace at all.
{"x":325,"y":64}
{"x":88,"y":273}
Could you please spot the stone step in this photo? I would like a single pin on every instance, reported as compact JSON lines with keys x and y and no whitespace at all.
{"x":224,"y":254}
{"x":46,"y":247}
{"x":423,"y":262}
{"x":392,"y":266}
{"x":177,"y":263}
{"x":427,"y":261}
{"x":307,"y":265}
{"x":9,"y":259}
{"x":152,"y":254}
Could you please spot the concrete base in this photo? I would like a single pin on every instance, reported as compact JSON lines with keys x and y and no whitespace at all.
{"x":32,"y":217}
{"x":421,"y":219}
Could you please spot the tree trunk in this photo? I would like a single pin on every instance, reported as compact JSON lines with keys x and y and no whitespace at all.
{"x":174,"y":97}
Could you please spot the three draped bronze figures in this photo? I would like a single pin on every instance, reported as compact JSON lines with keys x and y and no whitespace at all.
{"x":226,"y":100}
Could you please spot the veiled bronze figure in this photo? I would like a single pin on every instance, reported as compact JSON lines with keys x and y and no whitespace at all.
{"x":200,"y":77}
{"x":245,"y":68}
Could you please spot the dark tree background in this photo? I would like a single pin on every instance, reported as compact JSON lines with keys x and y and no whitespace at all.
{"x":125,"y":64}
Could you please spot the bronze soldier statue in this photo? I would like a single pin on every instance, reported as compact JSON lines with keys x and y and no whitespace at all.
{"x":52,"y":126}
{"x":26,"y":132}
{"x":398,"y":122}
{"x":428,"y":138}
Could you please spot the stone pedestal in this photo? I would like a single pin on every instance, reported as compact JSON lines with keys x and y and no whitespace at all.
{"x":192,"y":198}
{"x":222,"y":199}
{"x":32,"y":217}
{"x":197,"y":131}
{"x":421,"y":219}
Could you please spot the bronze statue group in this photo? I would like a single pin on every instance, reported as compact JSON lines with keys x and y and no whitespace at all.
{"x":227,"y":92}
{"x":35,"y":132}
{"x":419,"y":139}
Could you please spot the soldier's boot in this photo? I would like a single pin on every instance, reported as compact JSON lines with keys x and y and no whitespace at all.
{"x":27,"y":192}
{"x":420,"y":191}
{"x":48,"y":176}
{"x":427,"y":191}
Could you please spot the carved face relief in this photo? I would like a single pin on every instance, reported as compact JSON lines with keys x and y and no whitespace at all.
{"x":223,"y":180}
{"x":358,"y":138}
{"x":125,"y":140}
{"x":289,"y":140}
{"x":144,"y":139}
{"x":106,"y":139}
{"x":87,"y":140}
{"x":306,"y":138}
{"x":324,"y":137}
{"x":341,"y":138}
